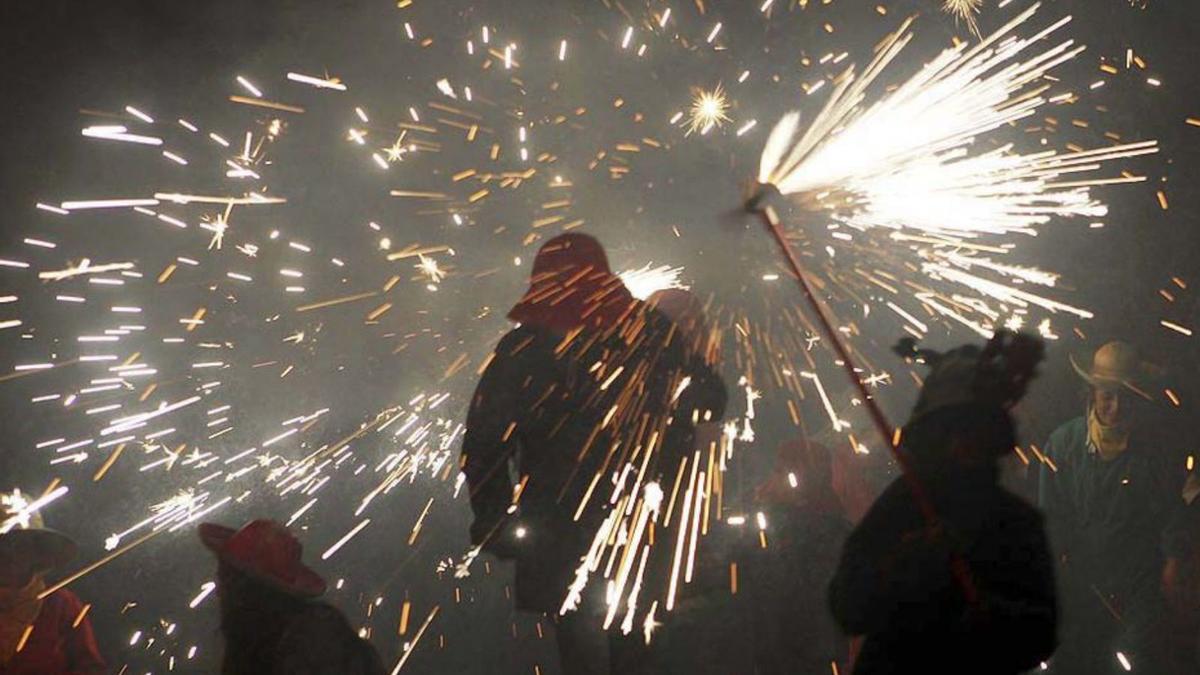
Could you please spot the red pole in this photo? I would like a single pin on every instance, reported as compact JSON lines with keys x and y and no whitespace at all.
{"x":957,"y":564}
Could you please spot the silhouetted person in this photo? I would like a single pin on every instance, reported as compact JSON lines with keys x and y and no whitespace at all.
{"x":50,"y":636}
{"x":895,"y":584}
{"x":804,"y":526}
{"x":1112,"y":488}
{"x":693,"y":434}
{"x":555,"y":412}
{"x":271,"y":619}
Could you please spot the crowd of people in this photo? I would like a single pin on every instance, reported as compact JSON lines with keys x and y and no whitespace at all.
{"x":924,"y":564}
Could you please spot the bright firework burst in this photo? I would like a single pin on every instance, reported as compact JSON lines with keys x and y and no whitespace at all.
{"x":709,"y":110}
{"x":909,"y":163}
{"x":965,"y":11}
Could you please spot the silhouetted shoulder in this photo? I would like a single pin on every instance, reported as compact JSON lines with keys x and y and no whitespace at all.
{"x":1016,"y":510}
{"x":320,"y":641}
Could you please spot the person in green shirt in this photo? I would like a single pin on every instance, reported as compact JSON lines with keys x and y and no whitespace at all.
{"x":1112,"y":493}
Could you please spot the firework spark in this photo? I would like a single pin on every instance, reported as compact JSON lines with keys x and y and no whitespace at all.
{"x":965,"y":11}
{"x":709,"y":110}
{"x":907,"y":161}
{"x":648,"y":279}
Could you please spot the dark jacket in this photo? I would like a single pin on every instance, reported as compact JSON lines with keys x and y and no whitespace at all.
{"x":554,"y":414}
{"x":321,"y":642}
{"x":895,"y":587}
{"x":314,"y":639}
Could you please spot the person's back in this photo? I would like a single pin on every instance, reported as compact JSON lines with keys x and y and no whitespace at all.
{"x":576,"y":389}
{"x":313,"y":638}
{"x":319,"y":641}
{"x":948,"y":572}
{"x":271,"y":619}
{"x":58,"y":643}
{"x":896,"y":588}
{"x":40,"y":633}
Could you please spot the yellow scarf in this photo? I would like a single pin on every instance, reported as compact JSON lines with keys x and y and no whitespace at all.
{"x":19,"y":608}
{"x":1109,"y":441}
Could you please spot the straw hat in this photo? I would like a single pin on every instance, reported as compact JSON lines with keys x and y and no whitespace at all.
{"x":26,"y":534}
{"x":265,"y":551}
{"x":1116,"y":365}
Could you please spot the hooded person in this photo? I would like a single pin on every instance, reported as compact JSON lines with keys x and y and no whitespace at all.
{"x":567,"y":395}
{"x":48,"y":635}
{"x":1112,"y":486}
{"x":803,"y":524}
{"x":699,"y":406}
{"x":271,"y":618}
{"x":970,"y":590}
{"x":693,"y":436}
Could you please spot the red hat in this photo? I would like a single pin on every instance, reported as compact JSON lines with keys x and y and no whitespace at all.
{"x":265,"y":551}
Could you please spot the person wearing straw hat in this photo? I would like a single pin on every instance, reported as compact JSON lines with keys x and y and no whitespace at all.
{"x":48,"y":635}
{"x":968,"y":588}
{"x":1114,"y":503}
{"x":271,"y":618}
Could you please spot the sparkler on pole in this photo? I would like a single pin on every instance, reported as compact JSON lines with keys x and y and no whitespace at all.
{"x":755,"y":204}
{"x":906,"y":163}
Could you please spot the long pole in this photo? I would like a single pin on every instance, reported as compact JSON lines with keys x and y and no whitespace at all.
{"x":890,"y":438}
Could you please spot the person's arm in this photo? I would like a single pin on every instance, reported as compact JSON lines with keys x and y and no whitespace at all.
{"x":83,"y":655}
{"x":1053,"y":501}
{"x":491,"y":435}
{"x":890,"y":566}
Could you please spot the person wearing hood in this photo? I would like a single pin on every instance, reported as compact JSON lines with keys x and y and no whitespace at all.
{"x":1114,"y":498}
{"x":693,"y":436}
{"x":803,"y":525}
{"x":40,"y":634}
{"x":580,"y":382}
{"x":948,"y":572}
{"x":271,"y":618}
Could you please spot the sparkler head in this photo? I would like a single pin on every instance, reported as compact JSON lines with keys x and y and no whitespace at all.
{"x":964,"y":10}
{"x":758,"y":196}
{"x":646,"y":281}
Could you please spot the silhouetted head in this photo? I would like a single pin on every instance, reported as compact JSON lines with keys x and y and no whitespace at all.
{"x":962,"y":413}
{"x":570,"y":252}
{"x":572,"y":286}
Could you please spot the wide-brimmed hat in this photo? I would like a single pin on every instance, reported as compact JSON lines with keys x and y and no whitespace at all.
{"x":25,"y":533}
{"x":267,"y":552}
{"x":1117,"y":365}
